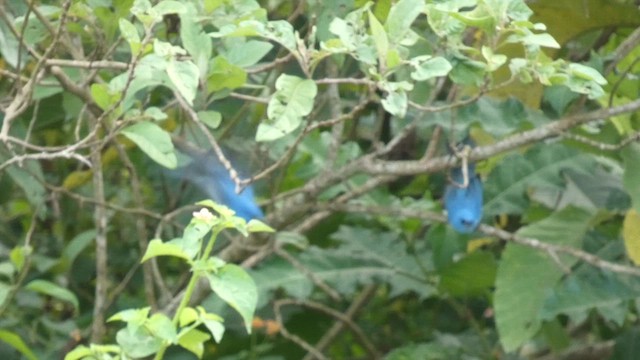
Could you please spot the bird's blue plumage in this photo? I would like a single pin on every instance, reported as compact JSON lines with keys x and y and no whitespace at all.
{"x":464,"y":205}
{"x":208,"y":174}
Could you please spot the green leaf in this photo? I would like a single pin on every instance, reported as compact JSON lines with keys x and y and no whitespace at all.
{"x":293,"y":99}
{"x":154,"y":141}
{"x":258,"y":226}
{"x":588,"y":289}
{"x":15,"y":341}
{"x":432,"y":67}
{"x":155,"y":113}
{"x":48,"y":288}
{"x":225,"y":75}
{"x":215,"y":327}
{"x":188,"y":315}
{"x":540,"y":167}
{"x":631,"y":177}
{"x":530,"y":38}
{"x":167,"y":50}
{"x":165,"y":7}
{"x":184,"y":75}
{"x":5,"y":289}
{"x":441,"y":20}
{"x":79,"y":353}
{"x":587,"y":73}
{"x":448,"y":349}
{"x":161,"y":326}
{"x":494,"y":61}
{"x":198,"y":228}
{"x":282,"y":32}
{"x":194,"y":40}
{"x":379,"y":38}
{"x":210,"y":118}
{"x":10,"y":47}
{"x":477,"y":18}
{"x":234,"y":285}
{"x":19,"y":255}
{"x":279,"y":31}
{"x":134,"y":318}
{"x":138,"y":342}
{"x":130,"y":34}
{"x":467,"y":71}
{"x":159,"y":248}
{"x":395,"y":103}
{"x":631,"y":235}
{"x":597,"y":189}
{"x":193,"y":340}
{"x":245,"y":54}
{"x":29,"y":177}
{"x":364,"y":256}
{"x":472,"y":275}
{"x":526,"y":275}
{"x":100,"y":94}
{"x":150,"y":72}
{"x":401,"y":16}
{"x":78,"y":244}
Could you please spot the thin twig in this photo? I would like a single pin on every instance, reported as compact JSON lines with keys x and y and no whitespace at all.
{"x":358,"y":303}
{"x":603,"y":146}
{"x":296,"y":339}
{"x":357,"y":331}
{"x":334,"y":295}
{"x":625,"y":48}
{"x":88,"y":64}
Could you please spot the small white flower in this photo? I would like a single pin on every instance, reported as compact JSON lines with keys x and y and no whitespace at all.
{"x":203,"y":214}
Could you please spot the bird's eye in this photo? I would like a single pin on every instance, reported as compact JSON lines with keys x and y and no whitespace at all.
{"x":466,"y":222}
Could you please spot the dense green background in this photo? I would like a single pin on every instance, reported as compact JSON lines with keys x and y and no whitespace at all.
{"x":341,"y":113}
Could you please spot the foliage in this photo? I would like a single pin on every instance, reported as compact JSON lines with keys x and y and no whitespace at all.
{"x":147,"y":334}
{"x":341,"y":114}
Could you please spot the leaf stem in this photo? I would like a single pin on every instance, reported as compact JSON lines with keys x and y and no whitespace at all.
{"x":190,"y":287}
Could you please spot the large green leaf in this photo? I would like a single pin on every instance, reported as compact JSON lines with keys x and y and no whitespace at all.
{"x":526,"y":275}
{"x":225,"y":75}
{"x":248,"y":53}
{"x":597,"y":189}
{"x":194,"y":40}
{"x":15,"y":341}
{"x":292,"y":101}
{"x":28,"y":176}
{"x":234,"y":285}
{"x":138,"y":342}
{"x":631,"y":179}
{"x":401,"y":16}
{"x":150,"y":72}
{"x":540,"y":167}
{"x":193,"y":340}
{"x":589,"y":289}
{"x":159,"y":248}
{"x":327,"y":11}
{"x":364,"y":257}
{"x":184,"y":75}
{"x":154,"y":141}
{"x":474,"y":274}
{"x":130,"y":34}
{"x":54,"y":290}
{"x":430,"y":67}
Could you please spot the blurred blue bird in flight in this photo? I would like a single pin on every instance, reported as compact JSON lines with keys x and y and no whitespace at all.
{"x":464,"y":204}
{"x":209,"y":175}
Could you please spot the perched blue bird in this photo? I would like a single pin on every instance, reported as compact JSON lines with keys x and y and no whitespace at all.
{"x":209,"y":175}
{"x":464,"y":204}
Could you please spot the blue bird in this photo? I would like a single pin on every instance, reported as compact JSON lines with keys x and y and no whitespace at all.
{"x":209,"y":175}
{"x":464,"y":204}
